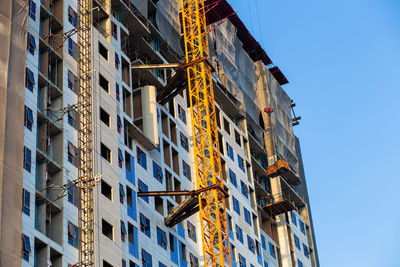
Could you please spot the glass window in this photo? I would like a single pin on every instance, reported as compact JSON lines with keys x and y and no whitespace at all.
{"x":27,"y":159}
{"x":141,"y":158}
{"x":26,"y":247}
{"x":157,"y":172}
{"x":186,"y":170}
{"x":232,"y":177}
{"x":146,"y":259}
{"x":145,"y":225}
{"x":26,"y":202}
{"x":32,"y":9}
{"x":28,"y":118}
{"x":162,"y":238}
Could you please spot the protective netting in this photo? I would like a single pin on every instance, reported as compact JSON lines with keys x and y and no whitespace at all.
{"x":167,"y":19}
{"x":254,"y":86}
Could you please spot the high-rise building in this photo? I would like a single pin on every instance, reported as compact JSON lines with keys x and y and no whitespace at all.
{"x":142,"y":145}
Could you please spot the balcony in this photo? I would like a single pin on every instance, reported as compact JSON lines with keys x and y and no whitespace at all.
{"x":281,"y":168}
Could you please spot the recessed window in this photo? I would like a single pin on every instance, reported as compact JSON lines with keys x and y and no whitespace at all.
{"x":226,"y":126}
{"x":237,"y":138}
{"x":105,"y":117}
{"x":191,"y":231}
{"x":105,"y":152}
{"x":145,"y":225}
{"x":103,"y":51}
{"x":106,"y":190}
{"x":104,"y":83}
{"x":106,"y":264}
{"x":107,"y":229}
{"x":159,"y":205}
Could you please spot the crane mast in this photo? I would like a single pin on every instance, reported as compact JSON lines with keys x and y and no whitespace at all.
{"x":86,"y":182}
{"x":212,"y":207}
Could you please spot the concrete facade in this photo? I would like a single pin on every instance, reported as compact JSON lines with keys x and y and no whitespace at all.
{"x":133,"y":156}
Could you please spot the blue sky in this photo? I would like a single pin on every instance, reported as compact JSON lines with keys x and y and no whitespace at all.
{"x":342,"y":61}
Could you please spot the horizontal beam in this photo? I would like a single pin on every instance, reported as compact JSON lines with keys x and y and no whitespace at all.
{"x":157,"y":66}
{"x":182,"y":192}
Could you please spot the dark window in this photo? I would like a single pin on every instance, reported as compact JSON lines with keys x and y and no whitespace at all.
{"x":247,"y":216}
{"x":73,"y":82}
{"x":146,"y":259}
{"x":159,"y":205}
{"x":121,"y":193}
{"x":237,"y":138}
{"x":241,"y":163}
{"x":28,"y":118}
{"x":242,"y":261}
{"x":186,"y":170}
{"x":32,"y":9}
{"x":104,"y":83}
{"x":73,"y":195}
{"x":191,"y":231}
{"x":182,"y":114}
{"x":157,"y":172}
{"x":117,"y":61}
{"x":123,"y":231}
{"x":145,"y":225}
{"x":117,"y":94}
{"x":162,"y":238}
{"x":73,"y":154}
{"x":103,"y":51}
{"x":106,"y":190}
{"x":250,"y":243}
{"x":245,"y":189}
{"x":106,"y":264}
{"x":114,"y":30}
{"x":107,"y":229}
{"x":143,"y":188}
{"x":73,"y":119}
{"x":105,"y":117}
{"x":229,"y":151}
{"x":232,"y":178}
{"x":120,"y":158}
{"x":27,"y":159}
{"x":72,"y":17}
{"x":184,"y":142}
{"x":29,"y":79}
{"x":72,"y":49}
{"x":26,"y":247}
{"x":73,"y":235}
{"x":193,"y":260}
{"x":272,"y":250}
{"x":119,"y":124}
{"x":235,"y":204}
{"x":239,"y":234}
{"x":31,"y":43}
{"x":105,"y":152}
{"x":227,"y":126}
{"x":141,"y":158}
{"x":26,"y":202}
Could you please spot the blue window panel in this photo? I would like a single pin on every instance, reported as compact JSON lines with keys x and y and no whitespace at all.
{"x":247,"y":216}
{"x":160,"y":264}
{"x":145,"y":225}
{"x":232,"y":177}
{"x":294,"y":219}
{"x":251,"y":265}
{"x":26,"y":196}
{"x":236,"y":206}
{"x":73,"y":235}
{"x":29,"y":79}
{"x":265,"y":264}
{"x":181,"y":114}
{"x":27,"y":159}
{"x":32,"y":9}
{"x":242,"y":261}
{"x":305,"y":251}
{"x":245,"y":189}
{"x":130,"y":174}
{"x":117,"y":93}
{"x":231,"y":236}
{"x":239,"y":234}
{"x":182,"y":263}
{"x":229,"y":151}
{"x":302,"y":227}
{"x":186,"y":170}
{"x":72,"y":17}
{"x":263,"y":244}
{"x":26,"y":247}
{"x":181,"y":231}
{"x":132,"y":211}
{"x":296,"y":241}
{"x":259,"y":254}
{"x":147,"y":260}
{"x":241,"y":163}
{"x":141,"y":158}
{"x":272,"y":250}
{"x":157,"y":172}
{"x":143,"y":188}
{"x":162,"y":238}
{"x":174,"y":250}
{"x":299,"y":263}
{"x":31,"y":44}
{"x":28,"y":118}
{"x":134,"y":248}
{"x":250,"y":244}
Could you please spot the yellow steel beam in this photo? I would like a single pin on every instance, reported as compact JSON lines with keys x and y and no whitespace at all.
{"x":214,"y":228}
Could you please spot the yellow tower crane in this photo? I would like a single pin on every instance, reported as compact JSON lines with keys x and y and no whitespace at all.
{"x":212,"y":207}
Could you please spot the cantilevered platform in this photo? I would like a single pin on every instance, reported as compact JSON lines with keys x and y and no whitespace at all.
{"x":282,"y":168}
{"x":278,"y":207}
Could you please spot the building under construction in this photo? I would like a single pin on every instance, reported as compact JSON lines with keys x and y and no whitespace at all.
{"x":148,"y":205}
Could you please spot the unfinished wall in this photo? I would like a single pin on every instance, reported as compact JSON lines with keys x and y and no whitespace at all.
{"x":13,"y":28}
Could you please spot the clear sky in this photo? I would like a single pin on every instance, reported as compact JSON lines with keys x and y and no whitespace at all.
{"x":342,"y":59}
